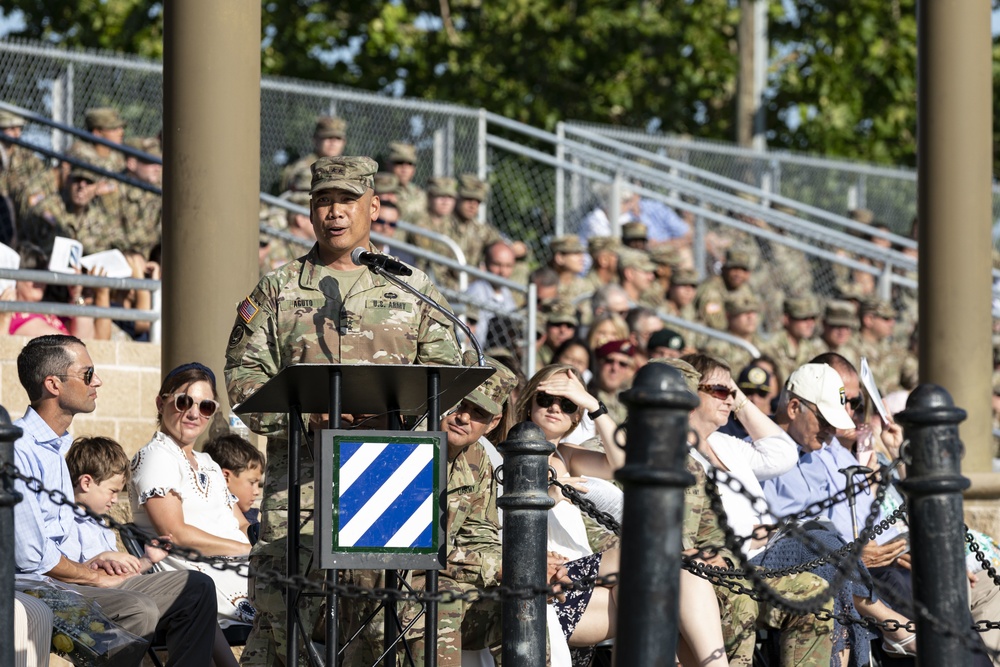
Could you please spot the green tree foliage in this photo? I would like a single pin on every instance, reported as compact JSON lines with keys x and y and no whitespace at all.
{"x":131,"y":26}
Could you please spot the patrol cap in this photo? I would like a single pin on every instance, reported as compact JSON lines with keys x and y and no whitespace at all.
{"x":821,"y":385}
{"x":470,"y":187}
{"x":79,"y":173}
{"x":150,"y":145}
{"x":840,"y":314}
{"x":742,"y":304}
{"x":664,"y":255}
{"x":596,"y":244}
{"x":621,"y":346}
{"x":354,"y":174}
{"x":852,"y":292}
{"x":400,"y":152}
{"x":442,"y":186}
{"x":492,"y":393}
{"x":630,"y":258}
{"x":691,"y":376}
{"x":864,"y":215}
{"x":386,"y":183}
{"x":802,"y":307}
{"x":754,"y":378}
{"x":667,"y":338}
{"x":737,"y":259}
{"x":684,"y":277}
{"x":561,"y":312}
{"x":330,"y":127}
{"x":634,"y":231}
{"x":568,"y":244}
{"x":103,"y":118}
{"x":10,"y":119}
{"x":879,"y":308}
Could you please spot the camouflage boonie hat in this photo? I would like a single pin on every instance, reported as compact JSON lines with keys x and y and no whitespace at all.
{"x":149,"y":145}
{"x":879,"y":308}
{"x":400,"y":152}
{"x":596,"y":244}
{"x":442,"y":186}
{"x":691,"y":376}
{"x":629,"y":258}
{"x":9,"y":119}
{"x":863,"y":215}
{"x":354,"y":174}
{"x":386,"y":183}
{"x":841,"y":314}
{"x":664,"y":255}
{"x":634,"y":231}
{"x":103,"y":118}
{"x":801,"y":307}
{"x":742,"y":304}
{"x":328,"y":127}
{"x":492,"y":393}
{"x":737,"y":259}
{"x":684,"y":277}
{"x":561,"y":312}
{"x":568,"y":244}
{"x":470,"y":187}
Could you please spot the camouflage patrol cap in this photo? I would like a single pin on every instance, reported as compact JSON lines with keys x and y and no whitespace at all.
{"x":684,"y":277}
{"x":802,"y":307}
{"x":737,"y":259}
{"x":149,"y":145}
{"x":634,"y":231}
{"x":629,"y":258}
{"x":442,"y":186}
{"x":742,"y":304}
{"x":863,"y":215}
{"x":386,"y":183}
{"x":596,"y":244}
{"x":79,"y":173}
{"x":664,"y":255}
{"x":567,"y":244}
{"x":103,"y":118}
{"x":354,"y":174}
{"x":400,"y":152}
{"x":329,"y":127}
{"x":879,"y":308}
{"x":841,"y":314}
{"x":561,"y":312}
{"x":470,"y":187}
{"x":691,"y":376}
{"x":852,"y":292}
{"x":10,"y":119}
{"x":492,"y":393}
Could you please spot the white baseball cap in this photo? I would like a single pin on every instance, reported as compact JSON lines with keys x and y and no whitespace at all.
{"x":821,"y":385}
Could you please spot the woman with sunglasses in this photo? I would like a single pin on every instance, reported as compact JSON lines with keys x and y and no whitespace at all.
{"x":178,"y":491}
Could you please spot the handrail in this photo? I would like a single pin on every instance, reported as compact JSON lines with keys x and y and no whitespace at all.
{"x":709,"y":331}
{"x":73,"y":310}
{"x":463,"y":278}
{"x":57,"y":278}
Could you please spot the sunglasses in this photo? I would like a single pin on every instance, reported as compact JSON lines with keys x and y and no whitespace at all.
{"x":761,"y":393}
{"x":380,"y":221}
{"x":857,"y":404}
{"x":87,"y":377}
{"x":206,"y":407}
{"x":719,"y":391}
{"x":823,"y":423}
{"x":544,"y":400}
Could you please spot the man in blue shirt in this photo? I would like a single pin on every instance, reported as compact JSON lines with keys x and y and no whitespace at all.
{"x":58,"y":375}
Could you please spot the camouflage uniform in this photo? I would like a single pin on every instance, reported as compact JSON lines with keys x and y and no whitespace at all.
{"x":616,"y":408}
{"x":805,"y":640}
{"x":412,"y":203}
{"x":711,"y":301}
{"x":736,"y":356}
{"x":472,"y":237}
{"x":327,"y":127}
{"x":790,"y":355}
{"x":18,"y":167}
{"x":140,"y":212}
{"x":297,"y":314}
{"x":301,"y":168}
{"x":94,"y":227}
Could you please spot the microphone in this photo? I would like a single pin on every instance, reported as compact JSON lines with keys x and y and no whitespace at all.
{"x":379,"y":263}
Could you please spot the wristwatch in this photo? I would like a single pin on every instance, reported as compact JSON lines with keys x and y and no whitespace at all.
{"x":601,"y":410}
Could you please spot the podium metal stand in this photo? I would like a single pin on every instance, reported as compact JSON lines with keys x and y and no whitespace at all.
{"x":396,"y":390}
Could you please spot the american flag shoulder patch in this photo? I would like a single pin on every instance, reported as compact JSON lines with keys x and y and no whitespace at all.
{"x":247,"y":310}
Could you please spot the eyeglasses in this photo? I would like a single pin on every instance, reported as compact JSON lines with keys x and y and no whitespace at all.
{"x":719,"y":391}
{"x":547,"y":401}
{"x":616,"y":362}
{"x":761,"y":393}
{"x":390,"y":225}
{"x":823,"y":423}
{"x":857,"y":404}
{"x":206,"y":407}
{"x":87,"y":377}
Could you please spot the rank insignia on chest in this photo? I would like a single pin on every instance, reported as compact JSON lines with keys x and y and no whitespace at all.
{"x":247,"y":310}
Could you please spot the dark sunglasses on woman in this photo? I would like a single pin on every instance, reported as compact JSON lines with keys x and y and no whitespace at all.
{"x":545,"y":401}
{"x":719,"y":391}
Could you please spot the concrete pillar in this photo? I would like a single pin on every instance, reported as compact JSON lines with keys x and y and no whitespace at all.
{"x":211,"y":175}
{"x":954,"y":148}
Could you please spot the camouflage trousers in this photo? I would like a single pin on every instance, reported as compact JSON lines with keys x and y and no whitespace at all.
{"x":805,"y":640}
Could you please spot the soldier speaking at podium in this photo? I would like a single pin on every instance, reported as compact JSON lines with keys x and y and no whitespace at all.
{"x":321,"y":308}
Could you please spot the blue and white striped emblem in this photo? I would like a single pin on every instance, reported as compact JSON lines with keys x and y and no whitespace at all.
{"x":386,"y":494}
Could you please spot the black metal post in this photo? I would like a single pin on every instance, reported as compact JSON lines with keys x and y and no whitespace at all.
{"x":8,"y":498}
{"x":431,"y":576}
{"x":332,"y":613}
{"x":292,"y":546}
{"x":933,"y":487}
{"x":653,"y":478}
{"x":525,"y":503}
